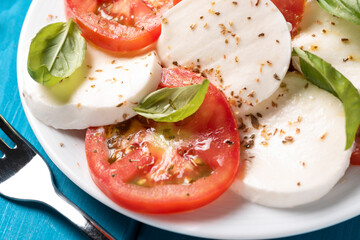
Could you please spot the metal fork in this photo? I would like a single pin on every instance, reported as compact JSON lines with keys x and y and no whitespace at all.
{"x":24,"y":175}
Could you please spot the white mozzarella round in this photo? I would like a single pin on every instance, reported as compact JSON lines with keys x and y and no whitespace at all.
{"x":335,"y":40}
{"x":297,"y":153}
{"x":244,"y":47}
{"x":103,"y":91}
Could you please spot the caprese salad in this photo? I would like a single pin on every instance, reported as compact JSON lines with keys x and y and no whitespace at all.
{"x":183,"y":100}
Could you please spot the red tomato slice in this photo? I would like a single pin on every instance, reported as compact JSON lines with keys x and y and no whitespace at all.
{"x":155,"y":167}
{"x":355,"y":156}
{"x":292,"y":10}
{"x":118,"y":25}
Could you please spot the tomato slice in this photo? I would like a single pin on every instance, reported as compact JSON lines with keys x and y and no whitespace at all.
{"x":155,"y":167}
{"x":118,"y":25}
{"x":355,"y":156}
{"x":292,"y":10}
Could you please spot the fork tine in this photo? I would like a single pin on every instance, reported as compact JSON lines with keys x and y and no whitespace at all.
{"x":17,"y":182}
{"x":9,"y":131}
{"x":3,"y":146}
{"x":18,"y":156}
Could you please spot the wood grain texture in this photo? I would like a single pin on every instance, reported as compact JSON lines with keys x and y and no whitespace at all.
{"x":20,"y":220}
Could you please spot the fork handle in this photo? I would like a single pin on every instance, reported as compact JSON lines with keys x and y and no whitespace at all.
{"x":78,"y":217}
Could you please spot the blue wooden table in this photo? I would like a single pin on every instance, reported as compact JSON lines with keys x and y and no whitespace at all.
{"x":33,"y":221}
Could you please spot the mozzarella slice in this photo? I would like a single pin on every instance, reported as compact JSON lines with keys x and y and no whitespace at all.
{"x":243,"y":47}
{"x":297,"y":153}
{"x":103,"y":91}
{"x":335,"y":40}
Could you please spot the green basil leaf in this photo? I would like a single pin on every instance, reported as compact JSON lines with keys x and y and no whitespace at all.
{"x":173,"y":104}
{"x":56,"y":52}
{"x":323,"y":75}
{"x":346,"y":9}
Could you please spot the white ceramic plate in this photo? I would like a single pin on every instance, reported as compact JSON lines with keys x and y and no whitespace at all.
{"x":229,"y":217}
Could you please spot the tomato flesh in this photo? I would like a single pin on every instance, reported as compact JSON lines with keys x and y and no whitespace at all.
{"x":292,"y":10}
{"x":355,"y":156}
{"x":123,"y":12}
{"x":140,"y":148}
{"x":118,"y":25}
{"x":158,"y":167}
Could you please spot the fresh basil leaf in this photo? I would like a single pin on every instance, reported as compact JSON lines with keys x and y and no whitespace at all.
{"x":323,"y":75}
{"x":346,"y":9}
{"x":173,"y":104}
{"x":56,"y":52}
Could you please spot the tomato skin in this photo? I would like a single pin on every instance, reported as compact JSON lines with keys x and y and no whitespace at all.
{"x":355,"y":156}
{"x":114,"y":36}
{"x":171,"y":198}
{"x":292,"y":10}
